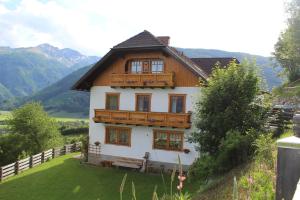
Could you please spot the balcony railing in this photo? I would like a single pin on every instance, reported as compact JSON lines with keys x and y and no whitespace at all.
{"x":143,"y":80}
{"x":162,"y":119}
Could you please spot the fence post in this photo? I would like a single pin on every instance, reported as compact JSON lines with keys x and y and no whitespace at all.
{"x":43,"y":157}
{"x":17,"y":167}
{"x":1,"y":172}
{"x":30,"y":162}
{"x":65,"y":148}
{"x":53,"y":153}
{"x":75,"y":147}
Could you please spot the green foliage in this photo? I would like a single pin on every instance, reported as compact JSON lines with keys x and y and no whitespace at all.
{"x":85,"y":147}
{"x":264,"y":150}
{"x":35,"y":128}
{"x":10,"y":148}
{"x":288,"y":45}
{"x":259,"y":183}
{"x":230,"y":114}
{"x":30,"y":131}
{"x":203,"y":167}
{"x":230,"y":102}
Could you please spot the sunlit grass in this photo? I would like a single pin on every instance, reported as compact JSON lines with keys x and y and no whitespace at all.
{"x":65,"y":178}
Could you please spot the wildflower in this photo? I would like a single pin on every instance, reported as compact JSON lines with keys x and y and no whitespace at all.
{"x":181,"y":178}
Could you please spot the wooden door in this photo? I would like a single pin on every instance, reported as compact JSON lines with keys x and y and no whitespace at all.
{"x":146,"y":67}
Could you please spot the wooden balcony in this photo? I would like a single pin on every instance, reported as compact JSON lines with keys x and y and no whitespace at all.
{"x":161,"y":119}
{"x":158,"y":80}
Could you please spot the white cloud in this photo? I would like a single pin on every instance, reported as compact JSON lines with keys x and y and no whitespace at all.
{"x":93,"y":26}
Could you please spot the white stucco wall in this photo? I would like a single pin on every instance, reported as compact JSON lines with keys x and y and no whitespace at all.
{"x":141,"y":137}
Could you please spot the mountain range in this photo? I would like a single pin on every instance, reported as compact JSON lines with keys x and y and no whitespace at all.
{"x":46,"y":74}
{"x":25,"y":71}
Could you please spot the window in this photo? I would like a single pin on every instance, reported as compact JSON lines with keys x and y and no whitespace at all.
{"x":157,"y":66}
{"x":143,"y":102}
{"x":169,"y":140}
{"x":146,"y":66}
{"x":177,"y":103}
{"x":136,"y":67}
{"x":118,"y":135}
{"x":112,"y":101}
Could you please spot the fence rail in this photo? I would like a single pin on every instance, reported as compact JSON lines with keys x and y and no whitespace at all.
{"x":37,"y":159}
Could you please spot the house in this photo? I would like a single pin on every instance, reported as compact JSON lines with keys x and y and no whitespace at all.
{"x":142,"y":94}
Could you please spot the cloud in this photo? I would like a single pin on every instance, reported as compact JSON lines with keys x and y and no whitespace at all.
{"x":93,"y":26}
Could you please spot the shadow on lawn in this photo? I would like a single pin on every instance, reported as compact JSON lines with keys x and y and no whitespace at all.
{"x":66,"y":178}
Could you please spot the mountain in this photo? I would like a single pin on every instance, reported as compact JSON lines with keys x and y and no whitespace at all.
{"x":24,"y":71}
{"x":58,"y":98}
{"x":69,"y":57}
{"x":269,"y":68}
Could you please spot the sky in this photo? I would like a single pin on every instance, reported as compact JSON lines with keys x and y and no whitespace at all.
{"x":94,"y":26}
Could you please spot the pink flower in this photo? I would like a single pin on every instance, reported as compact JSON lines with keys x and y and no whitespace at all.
{"x":250,"y":179}
{"x":181,"y":178}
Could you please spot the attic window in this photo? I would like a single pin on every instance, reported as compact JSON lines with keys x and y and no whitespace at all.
{"x":136,"y":67}
{"x":157,"y":66}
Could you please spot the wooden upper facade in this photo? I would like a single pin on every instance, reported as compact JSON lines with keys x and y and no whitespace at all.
{"x":173,"y":73}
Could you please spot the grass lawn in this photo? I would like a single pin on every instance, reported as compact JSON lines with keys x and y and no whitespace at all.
{"x":65,"y":178}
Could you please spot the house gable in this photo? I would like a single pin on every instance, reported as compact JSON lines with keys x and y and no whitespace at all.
{"x":187,"y":71}
{"x":183,"y":76}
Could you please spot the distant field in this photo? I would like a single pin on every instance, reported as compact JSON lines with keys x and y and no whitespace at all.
{"x":4,"y":115}
{"x":64,"y":118}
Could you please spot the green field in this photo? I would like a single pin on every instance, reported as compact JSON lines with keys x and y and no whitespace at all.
{"x":65,"y":178}
{"x":5,"y":114}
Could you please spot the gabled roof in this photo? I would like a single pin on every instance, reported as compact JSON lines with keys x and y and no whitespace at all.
{"x":144,"y":41}
{"x":207,"y":64}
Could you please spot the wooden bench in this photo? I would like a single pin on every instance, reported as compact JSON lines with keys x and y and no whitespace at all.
{"x":128,"y":162}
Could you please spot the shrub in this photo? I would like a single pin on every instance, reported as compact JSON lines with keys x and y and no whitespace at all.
{"x":259,"y":183}
{"x":264,"y":150}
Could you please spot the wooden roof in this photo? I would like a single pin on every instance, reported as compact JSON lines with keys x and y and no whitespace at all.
{"x":207,"y":64}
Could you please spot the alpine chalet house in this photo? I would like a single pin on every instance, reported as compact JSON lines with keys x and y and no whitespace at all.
{"x":141,"y":101}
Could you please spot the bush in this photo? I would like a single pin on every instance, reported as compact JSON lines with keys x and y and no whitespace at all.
{"x":10,"y":148}
{"x":202,"y":168}
{"x":235,"y":149}
{"x":85,"y":147}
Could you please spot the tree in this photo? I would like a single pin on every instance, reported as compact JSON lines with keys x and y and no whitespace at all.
{"x":229,"y":102}
{"x":230,"y":113}
{"x":36,"y":130}
{"x":287,"y":48}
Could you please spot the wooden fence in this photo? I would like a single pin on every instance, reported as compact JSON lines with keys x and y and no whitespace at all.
{"x":37,"y":159}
